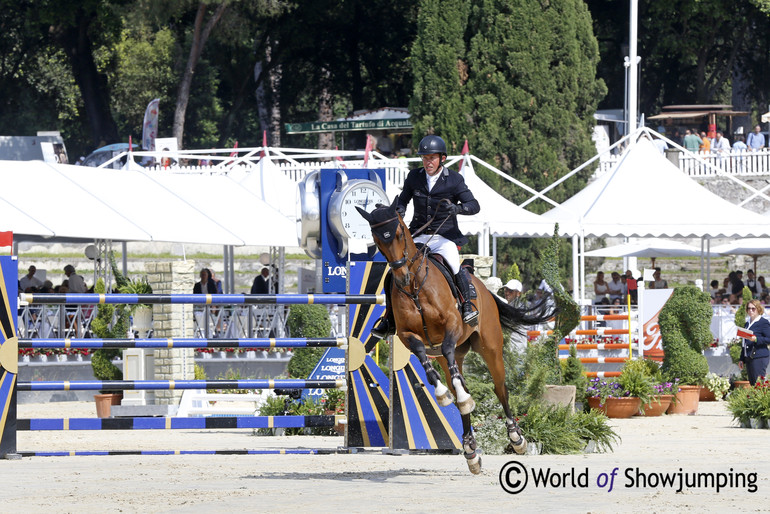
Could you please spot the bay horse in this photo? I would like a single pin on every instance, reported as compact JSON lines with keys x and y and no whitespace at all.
{"x":427,"y":314}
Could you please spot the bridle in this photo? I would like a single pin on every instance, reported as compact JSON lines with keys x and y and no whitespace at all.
{"x":405,"y":260}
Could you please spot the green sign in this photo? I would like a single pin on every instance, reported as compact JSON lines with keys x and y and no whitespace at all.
{"x":348,"y":126}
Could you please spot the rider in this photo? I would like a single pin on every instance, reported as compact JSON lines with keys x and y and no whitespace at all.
{"x":428,"y":186}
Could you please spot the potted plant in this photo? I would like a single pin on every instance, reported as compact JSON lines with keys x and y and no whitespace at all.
{"x":685,"y":332}
{"x":142,"y":313}
{"x":734,"y":348}
{"x":110,"y":322}
{"x":714,"y":388}
{"x":611,"y":398}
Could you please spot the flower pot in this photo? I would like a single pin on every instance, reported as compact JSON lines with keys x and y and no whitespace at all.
{"x":104,"y":403}
{"x":685,"y":401}
{"x":707,"y":395}
{"x":657,"y":409}
{"x":617,"y":407}
{"x":756,"y":423}
{"x":741,"y":383}
{"x":534,"y":448}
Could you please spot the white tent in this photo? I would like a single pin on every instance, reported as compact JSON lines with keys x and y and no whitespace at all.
{"x":753,"y":247}
{"x":645,"y":195}
{"x":652,"y":248}
{"x":76,"y":202}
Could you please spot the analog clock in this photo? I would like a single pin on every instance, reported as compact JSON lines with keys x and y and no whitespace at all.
{"x":344,"y":220}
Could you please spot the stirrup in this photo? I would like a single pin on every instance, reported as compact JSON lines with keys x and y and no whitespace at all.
{"x":470,"y":315}
{"x":382,"y":328}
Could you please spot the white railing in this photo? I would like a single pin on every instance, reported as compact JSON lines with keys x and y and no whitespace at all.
{"x":735,"y":162}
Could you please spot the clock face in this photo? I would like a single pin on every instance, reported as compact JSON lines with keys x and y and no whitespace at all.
{"x":366,"y":197}
{"x":344,"y":216}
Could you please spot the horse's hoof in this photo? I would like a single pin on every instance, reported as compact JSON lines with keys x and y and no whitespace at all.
{"x":474,"y":463}
{"x":445,"y":399}
{"x":467,"y":406}
{"x":520,"y":445}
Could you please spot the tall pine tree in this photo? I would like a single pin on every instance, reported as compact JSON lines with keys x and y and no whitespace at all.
{"x":518,"y":79}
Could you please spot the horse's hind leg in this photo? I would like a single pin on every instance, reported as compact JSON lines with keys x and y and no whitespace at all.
{"x":443,"y":396}
{"x":494,"y":360}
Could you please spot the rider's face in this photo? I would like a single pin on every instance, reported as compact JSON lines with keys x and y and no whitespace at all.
{"x":431,"y":163}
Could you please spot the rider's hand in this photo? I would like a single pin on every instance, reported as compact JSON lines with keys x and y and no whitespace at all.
{"x":453,"y":209}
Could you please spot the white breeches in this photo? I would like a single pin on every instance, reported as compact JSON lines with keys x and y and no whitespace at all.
{"x":444,"y":247}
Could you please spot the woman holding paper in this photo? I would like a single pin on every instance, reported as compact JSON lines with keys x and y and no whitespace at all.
{"x":756,"y":336}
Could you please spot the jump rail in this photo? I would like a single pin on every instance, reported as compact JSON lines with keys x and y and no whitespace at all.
{"x":201,"y":299}
{"x":259,"y":343}
{"x":131,"y":385}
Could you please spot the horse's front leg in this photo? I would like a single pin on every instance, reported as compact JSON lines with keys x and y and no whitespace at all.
{"x":443,"y":396}
{"x":464,"y":400}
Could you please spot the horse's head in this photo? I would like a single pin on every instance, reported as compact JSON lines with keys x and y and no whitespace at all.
{"x":390,"y":236}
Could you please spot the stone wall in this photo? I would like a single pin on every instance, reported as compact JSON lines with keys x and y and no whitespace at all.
{"x":169,"y":320}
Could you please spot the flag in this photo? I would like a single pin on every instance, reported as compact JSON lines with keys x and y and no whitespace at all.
{"x":6,"y":238}
{"x":465,"y":153}
{"x":264,"y":143}
{"x":150,"y":126}
{"x":369,"y":144}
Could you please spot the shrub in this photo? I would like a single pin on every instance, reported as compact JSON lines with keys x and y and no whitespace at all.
{"x":307,"y":321}
{"x":103,"y":327}
{"x":685,"y":332}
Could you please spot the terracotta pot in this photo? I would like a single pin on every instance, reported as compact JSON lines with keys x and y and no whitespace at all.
{"x":339,"y":428}
{"x":706,"y":395}
{"x":104,"y":403}
{"x":656,"y":409}
{"x":741,"y":384}
{"x":617,"y":407}
{"x":685,"y":401}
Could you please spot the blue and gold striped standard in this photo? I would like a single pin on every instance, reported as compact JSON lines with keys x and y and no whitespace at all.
{"x":9,"y":354}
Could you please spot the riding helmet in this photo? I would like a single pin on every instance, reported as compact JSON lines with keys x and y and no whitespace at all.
{"x":431,"y":144}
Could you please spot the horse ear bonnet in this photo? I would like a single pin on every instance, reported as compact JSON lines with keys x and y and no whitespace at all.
{"x":387,"y":231}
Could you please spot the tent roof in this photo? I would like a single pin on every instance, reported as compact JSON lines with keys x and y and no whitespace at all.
{"x":78,"y":202}
{"x":503,"y":217}
{"x":651,"y":247}
{"x":645,"y":195}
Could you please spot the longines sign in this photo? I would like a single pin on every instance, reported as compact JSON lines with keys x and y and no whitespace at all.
{"x":333,"y":126}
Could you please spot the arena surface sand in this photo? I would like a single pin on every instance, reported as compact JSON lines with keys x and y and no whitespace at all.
{"x":372,"y":482}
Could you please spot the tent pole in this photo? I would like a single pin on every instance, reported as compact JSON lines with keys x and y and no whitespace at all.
{"x":575,"y":273}
{"x":494,"y":255}
{"x":708,"y":261}
{"x":225,"y":262}
{"x":702,"y":246}
{"x":582,"y":267}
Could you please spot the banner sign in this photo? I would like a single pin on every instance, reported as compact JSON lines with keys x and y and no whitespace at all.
{"x":654,"y":300}
{"x":348,"y":126}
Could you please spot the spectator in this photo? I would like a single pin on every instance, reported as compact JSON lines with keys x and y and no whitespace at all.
{"x":75,"y":283}
{"x":691,"y":140}
{"x":705,"y":142}
{"x":512,"y":291}
{"x":615,"y":287}
{"x":762,"y":287}
{"x":261,"y":284}
{"x":720,"y":144}
{"x":751,"y":283}
{"x":216,"y":281}
{"x":739,"y":144}
{"x":658,"y":283}
{"x":660,"y":144}
{"x":714,"y":288}
{"x":756,"y":139}
{"x":205,"y":285}
{"x":601,"y":288}
{"x":736,"y":283}
{"x":631,"y":286}
{"x":29,"y":281}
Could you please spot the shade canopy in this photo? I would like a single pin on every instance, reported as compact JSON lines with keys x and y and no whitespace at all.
{"x":645,"y":195}
{"x":752,"y":246}
{"x":38,"y":199}
{"x":650,"y":248}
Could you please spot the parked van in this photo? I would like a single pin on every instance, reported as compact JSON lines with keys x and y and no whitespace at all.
{"x":45,"y":146}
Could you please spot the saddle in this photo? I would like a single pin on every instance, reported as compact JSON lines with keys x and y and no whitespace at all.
{"x":438,"y":261}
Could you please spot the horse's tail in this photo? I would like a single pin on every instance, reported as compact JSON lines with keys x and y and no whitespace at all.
{"x":515,"y":316}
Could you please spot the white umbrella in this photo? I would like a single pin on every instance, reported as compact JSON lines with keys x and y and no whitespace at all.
{"x":752,"y":246}
{"x":650,"y":247}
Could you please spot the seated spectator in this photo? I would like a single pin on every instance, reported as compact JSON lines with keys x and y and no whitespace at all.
{"x":658,"y":282}
{"x":30,"y":281}
{"x":762,"y":287}
{"x":714,"y":288}
{"x":601,"y":288}
{"x":615,"y":287}
{"x":631,"y":286}
{"x":205,"y":285}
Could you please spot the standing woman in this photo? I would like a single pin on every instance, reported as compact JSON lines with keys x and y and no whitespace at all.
{"x":755,"y":354}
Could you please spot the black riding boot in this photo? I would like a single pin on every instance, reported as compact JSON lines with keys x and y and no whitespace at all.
{"x":470,"y":315}
{"x":386,"y":325}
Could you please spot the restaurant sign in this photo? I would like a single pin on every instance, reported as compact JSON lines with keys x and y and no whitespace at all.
{"x":348,"y":125}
